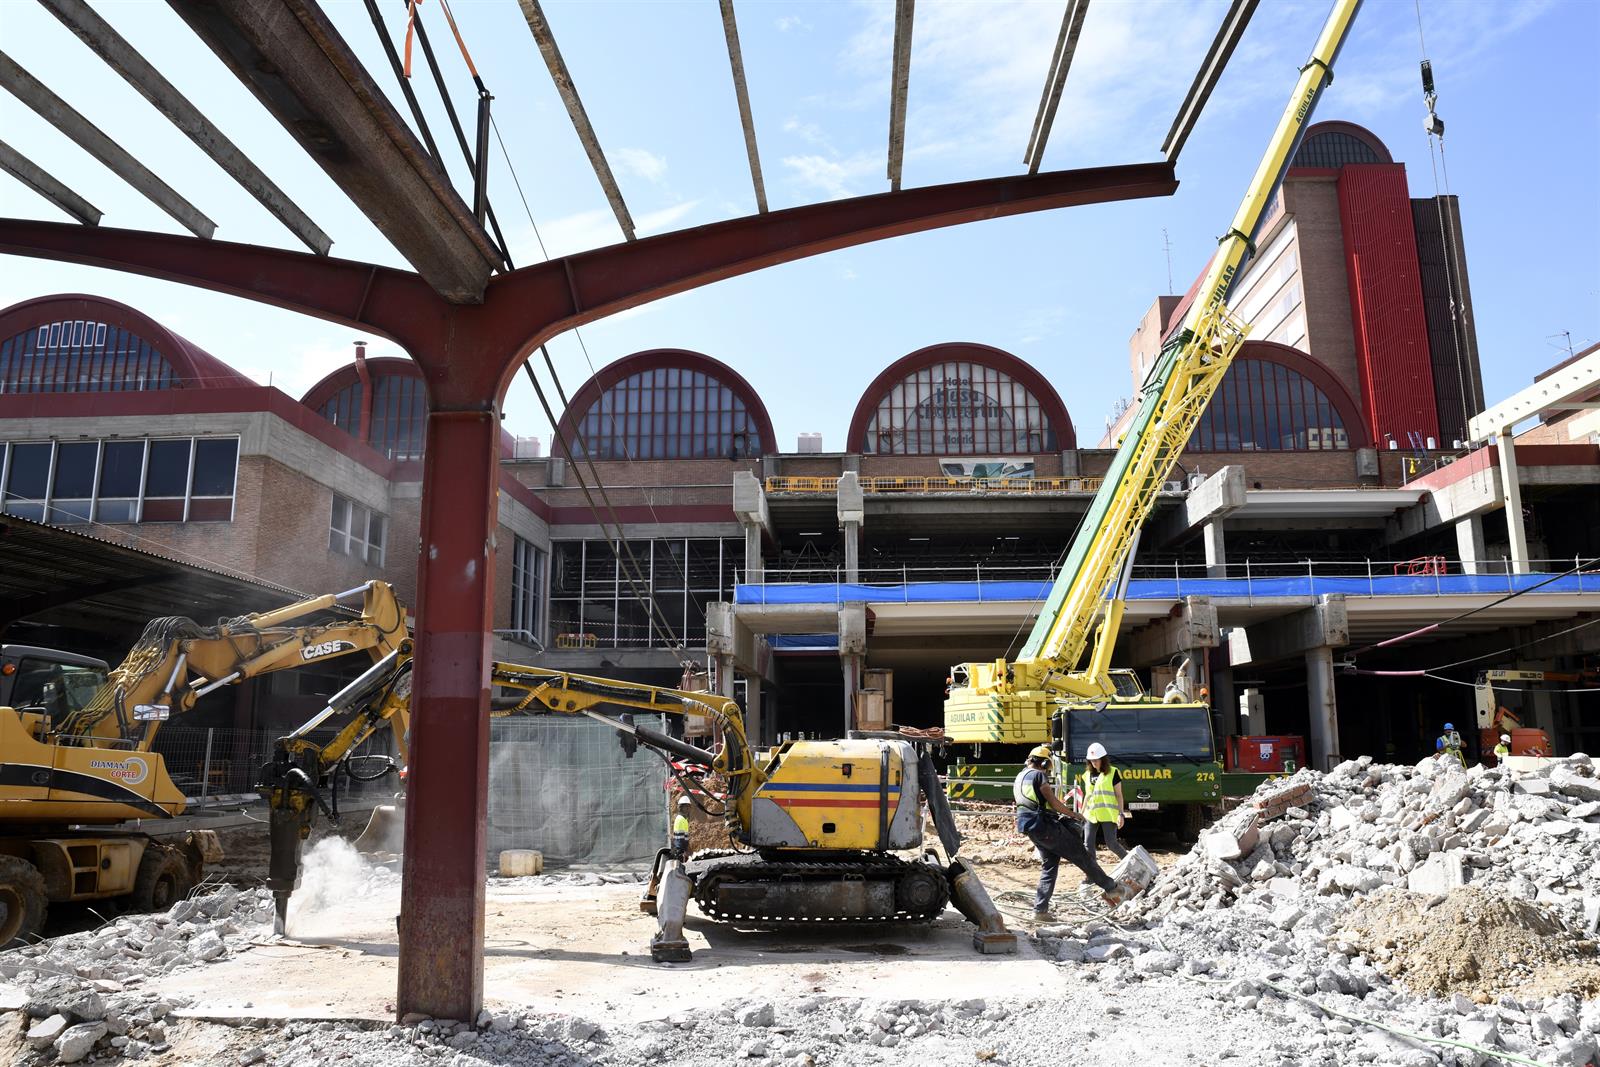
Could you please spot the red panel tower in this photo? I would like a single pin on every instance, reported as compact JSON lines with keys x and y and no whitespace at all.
{"x":1391,"y":331}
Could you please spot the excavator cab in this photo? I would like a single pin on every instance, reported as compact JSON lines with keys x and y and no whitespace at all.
{"x":47,"y":680}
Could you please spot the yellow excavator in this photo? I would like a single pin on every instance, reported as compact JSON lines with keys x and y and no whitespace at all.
{"x":76,"y":747}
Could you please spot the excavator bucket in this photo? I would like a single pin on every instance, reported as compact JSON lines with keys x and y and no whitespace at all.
{"x":386,"y":830}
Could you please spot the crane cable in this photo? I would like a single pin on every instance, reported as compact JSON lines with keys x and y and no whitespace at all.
{"x":1466,"y":382}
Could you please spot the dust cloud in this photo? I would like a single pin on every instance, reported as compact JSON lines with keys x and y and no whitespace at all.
{"x":339,"y":887}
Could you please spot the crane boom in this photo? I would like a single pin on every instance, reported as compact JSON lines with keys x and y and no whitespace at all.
{"x":1085,"y":604}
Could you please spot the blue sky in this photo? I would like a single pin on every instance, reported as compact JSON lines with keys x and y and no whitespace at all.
{"x":1063,"y":289}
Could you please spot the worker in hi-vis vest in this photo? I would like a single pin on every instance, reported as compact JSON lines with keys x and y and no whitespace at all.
{"x":1448,"y":745}
{"x":1100,"y":801}
{"x":680,"y":829}
{"x":1044,"y":820}
{"x":1502,"y":750}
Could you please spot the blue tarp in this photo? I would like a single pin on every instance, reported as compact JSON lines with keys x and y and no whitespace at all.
{"x":1171,"y":588}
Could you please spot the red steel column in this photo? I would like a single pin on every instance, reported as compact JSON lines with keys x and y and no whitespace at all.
{"x":441,"y":909}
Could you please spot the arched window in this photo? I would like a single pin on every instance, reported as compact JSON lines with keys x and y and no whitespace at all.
{"x":79,"y":356}
{"x":399,"y":416}
{"x":393,"y":419}
{"x":343,"y":409}
{"x":1265,"y":406}
{"x":666,"y":404}
{"x":960,"y":400}
{"x":1330,"y":145}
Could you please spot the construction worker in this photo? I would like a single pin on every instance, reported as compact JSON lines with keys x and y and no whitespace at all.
{"x":1448,"y":745}
{"x":1100,"y":801}
{"x":680,"y":829}
{"x":1502,"y":750}
{"x":1043,"y":819}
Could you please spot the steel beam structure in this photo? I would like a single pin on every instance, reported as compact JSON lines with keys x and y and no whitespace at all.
{"x":126,"y":60}
{"x":1205,"y":79}
{"x":290,"y":56}
{"x":741,"y":89}
{"x":468,"y":354}
{"x":539,"y":26}
{"x":44,"y":183}
{"x":899,"y":84}
{"x":1060,"y":63}
{"x":92,"y":139}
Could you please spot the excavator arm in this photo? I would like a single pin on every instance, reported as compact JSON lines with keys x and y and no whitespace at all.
{"x":580,"y":694}
{"x":1084,"y":607}
{"x":176,"y":661}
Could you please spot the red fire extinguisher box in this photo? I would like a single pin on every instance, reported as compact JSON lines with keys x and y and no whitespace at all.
{"x":1265,"y":754}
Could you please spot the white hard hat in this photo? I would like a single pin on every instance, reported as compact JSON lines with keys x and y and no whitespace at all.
{"x":684,"y":800}
{"x":1506,"y":738}
{"x":1096,"y":751}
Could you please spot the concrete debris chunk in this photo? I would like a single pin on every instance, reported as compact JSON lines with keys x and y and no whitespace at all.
{"x":757,"y":1015}
{"x":76,"y":1042}
{"x":1441,"y":873}
{"x":43,"y":1033}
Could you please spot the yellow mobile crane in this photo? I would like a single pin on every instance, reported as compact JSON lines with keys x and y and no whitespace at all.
{"x":1051,"y":691}
{"x":77,"y":754}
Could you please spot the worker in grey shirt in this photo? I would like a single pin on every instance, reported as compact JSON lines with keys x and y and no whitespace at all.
{"x":1046,"y":821}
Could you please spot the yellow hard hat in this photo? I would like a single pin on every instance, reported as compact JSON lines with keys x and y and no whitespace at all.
{"x":1040,"y":752}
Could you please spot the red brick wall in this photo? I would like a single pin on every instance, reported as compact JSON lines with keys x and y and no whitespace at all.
{"x":1320,"y":243}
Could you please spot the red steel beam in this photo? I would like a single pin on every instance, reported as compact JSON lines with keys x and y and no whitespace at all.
{"x":468,"y":353}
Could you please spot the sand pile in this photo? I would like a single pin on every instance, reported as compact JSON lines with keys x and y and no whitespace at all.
{"x":1472,"y":941}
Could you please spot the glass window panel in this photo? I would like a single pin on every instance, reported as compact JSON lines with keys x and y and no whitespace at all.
{"x":214,"y":461}
{"x":169,"y":468}
{"x":75,"y":464}
{"x":30,"y":473}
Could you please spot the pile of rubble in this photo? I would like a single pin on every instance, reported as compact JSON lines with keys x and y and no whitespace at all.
{"x":1334,"y":886}
{"x":85,"y":993}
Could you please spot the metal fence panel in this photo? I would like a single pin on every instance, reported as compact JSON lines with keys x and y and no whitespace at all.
{"x":564,"y":787}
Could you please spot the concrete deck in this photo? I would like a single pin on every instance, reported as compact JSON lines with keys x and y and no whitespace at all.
{"x":584,"y":950}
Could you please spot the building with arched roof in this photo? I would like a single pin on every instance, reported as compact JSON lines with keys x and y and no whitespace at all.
{"x":959,"y":400}
{"x":382,"y":402}
{"x":74,"y":343}
{"x":664,"y":404}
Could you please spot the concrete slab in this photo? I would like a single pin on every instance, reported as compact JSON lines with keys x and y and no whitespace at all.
{"x":584,"y":950}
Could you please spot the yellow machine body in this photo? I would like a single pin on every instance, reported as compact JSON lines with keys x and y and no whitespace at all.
{"x":852,"y":794}
{"x":42,"y":781}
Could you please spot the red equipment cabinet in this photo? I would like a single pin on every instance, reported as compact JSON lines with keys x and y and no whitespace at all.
{"x":1262,"y":754}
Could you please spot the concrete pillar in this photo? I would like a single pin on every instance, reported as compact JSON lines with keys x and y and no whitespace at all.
{"x":1469,"y":544}
{"x":753,"y":569}
{"x":725,"y":675}
{"x":852,"y":515}
{"x":1513,"y":490}
{"x":852,"y":665}
{"x":1324,"y":708}
{"x":750,"y":508}
{"x":852,"y":656}
{"x":1216,"y":549}
{"x":755,"y":718}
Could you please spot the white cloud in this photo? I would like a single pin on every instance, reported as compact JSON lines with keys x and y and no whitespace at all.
{"x":785,"y":23}
{"x":640,"y":162}
{"x":597,"y":228}
{"x":834,"y":177}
